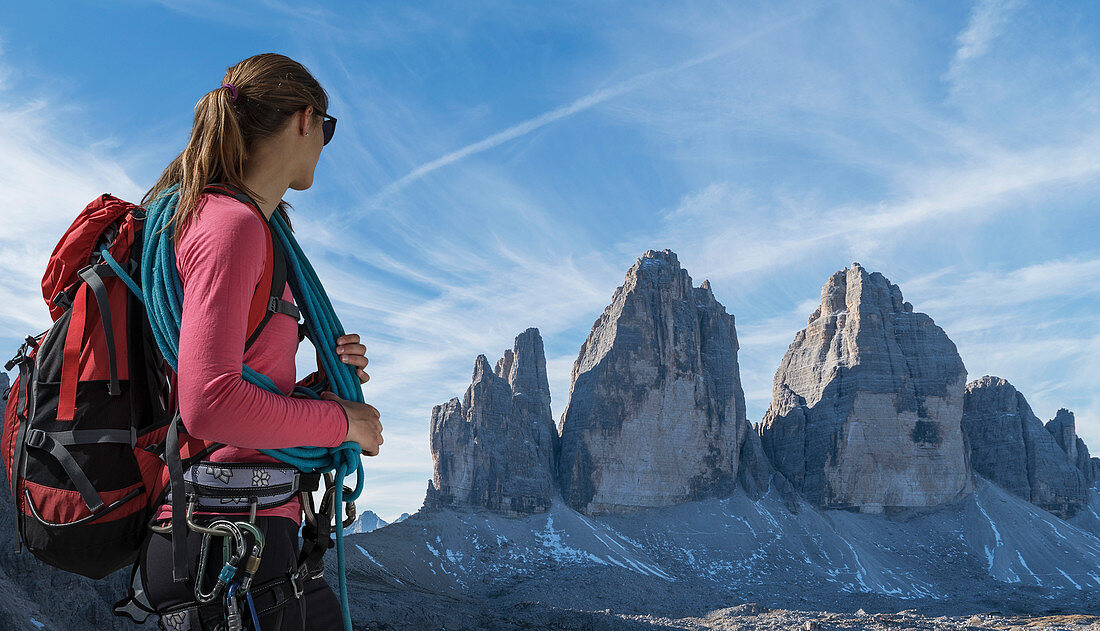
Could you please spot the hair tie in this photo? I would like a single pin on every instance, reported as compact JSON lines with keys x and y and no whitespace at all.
{"x":232,"y":90}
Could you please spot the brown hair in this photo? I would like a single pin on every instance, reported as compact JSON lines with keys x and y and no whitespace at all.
{"x":270,"y":88}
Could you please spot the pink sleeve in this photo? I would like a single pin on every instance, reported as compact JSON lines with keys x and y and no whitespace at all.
{"x":220,"y":261}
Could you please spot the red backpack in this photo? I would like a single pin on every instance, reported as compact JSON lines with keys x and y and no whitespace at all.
{"x":88,"y":413}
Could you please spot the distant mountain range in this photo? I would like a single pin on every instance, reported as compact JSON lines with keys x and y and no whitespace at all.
{"x":368,"y":521}
{"x":879,"y":478}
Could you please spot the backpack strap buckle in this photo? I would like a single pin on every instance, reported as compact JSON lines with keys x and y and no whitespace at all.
{"x":21,"y":354}
{"x":36,"y":438}
{"x":278,"y":305}
{"x":62,"y":300}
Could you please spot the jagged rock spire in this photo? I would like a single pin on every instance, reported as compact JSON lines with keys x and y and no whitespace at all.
{"x":496,"y":448}
{"x":1064,"y":429}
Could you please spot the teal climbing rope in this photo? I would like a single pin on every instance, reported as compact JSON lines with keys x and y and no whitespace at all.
{"x":162,"y":293}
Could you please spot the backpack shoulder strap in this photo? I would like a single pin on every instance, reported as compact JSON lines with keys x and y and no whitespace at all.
{"x":268,"y":296}
{"x":274,"y":302}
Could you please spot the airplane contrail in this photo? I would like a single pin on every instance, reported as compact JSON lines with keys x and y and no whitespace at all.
{"x":558,"y":113}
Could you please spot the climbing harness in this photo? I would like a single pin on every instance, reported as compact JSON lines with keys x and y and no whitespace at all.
{"x":161,"y":293}
{"x":242,"y":548}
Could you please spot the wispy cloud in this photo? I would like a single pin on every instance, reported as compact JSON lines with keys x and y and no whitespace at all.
{"x":579,"y":105}
{"x":772,"y":232}
{"x":987,"y":17}
{"x":45,"y":181}
{"x":974,"y":55}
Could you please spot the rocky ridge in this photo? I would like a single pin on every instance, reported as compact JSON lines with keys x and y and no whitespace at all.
{"x":1010,"y":446}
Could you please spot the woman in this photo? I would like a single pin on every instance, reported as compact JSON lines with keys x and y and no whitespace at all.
{"x":260,"y":134}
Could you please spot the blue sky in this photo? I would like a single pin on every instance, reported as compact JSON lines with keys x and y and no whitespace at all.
{"x":499,"y":166}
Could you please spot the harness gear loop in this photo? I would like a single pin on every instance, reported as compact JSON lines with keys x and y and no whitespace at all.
{"x":166,"y":527}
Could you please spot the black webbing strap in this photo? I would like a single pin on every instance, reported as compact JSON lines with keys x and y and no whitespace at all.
{"x":179,"y":507}
{"x":278,"y":282}
{"x":38,"y":439}
{"x":90,"y":275}
{"x":91,"y":436}
{"x":278,"y":305}
{"x":275,"y":303}
{"x":179,"y":500}
{"x":315,"y":534}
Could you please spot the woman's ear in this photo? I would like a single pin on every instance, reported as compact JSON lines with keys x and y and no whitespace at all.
{"x":306,"y":116}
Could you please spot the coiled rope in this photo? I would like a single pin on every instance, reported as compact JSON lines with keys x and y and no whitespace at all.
{"x":162,"y":293}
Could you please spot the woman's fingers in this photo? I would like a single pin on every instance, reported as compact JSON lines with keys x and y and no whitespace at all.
{"x":351,"y":349}
{"x":352,"y":352}
{"x":357,"y":360}
{"x":364,"y":423}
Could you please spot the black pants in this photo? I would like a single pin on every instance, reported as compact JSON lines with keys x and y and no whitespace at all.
{"x":317,"y":610}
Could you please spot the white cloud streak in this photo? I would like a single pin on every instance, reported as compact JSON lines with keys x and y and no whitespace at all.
{"x":579,"y":105}
{"x":987,"y":17}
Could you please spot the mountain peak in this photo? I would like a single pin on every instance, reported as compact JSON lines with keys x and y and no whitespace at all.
{"x":661,"y":350}
{"x":855,"y":289}
{"x":879,"y":388}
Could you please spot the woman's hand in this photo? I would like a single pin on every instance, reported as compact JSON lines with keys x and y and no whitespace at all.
{"x":364,"y":423}
{"x":350,"y":351}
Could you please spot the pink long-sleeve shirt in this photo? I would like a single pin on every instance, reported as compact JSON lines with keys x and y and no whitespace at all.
{"x":220,"y":257}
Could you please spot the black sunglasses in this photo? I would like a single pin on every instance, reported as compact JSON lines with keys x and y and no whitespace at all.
{"x":328,"y":127}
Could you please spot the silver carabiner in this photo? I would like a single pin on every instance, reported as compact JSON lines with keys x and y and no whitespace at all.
{"x":220,"y":528}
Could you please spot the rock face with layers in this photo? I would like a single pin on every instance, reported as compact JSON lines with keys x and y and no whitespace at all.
{"x":656,"y":413}
{"x":1064,"y":429}
{"x":1010,"y":447}
{"x":497,"y":447}
{"x":867,"y":403}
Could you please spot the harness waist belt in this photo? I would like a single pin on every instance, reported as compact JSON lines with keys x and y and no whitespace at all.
{"x":232,"y":487}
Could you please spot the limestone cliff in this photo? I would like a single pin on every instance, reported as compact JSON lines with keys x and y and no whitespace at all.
{"x":656,"y":413}
{"x":496,"y":448}
{"x":1010,"y":447}
{"x":867,"y":403}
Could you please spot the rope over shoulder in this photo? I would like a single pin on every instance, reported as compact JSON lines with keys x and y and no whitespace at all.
{"x":162,"y":293}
